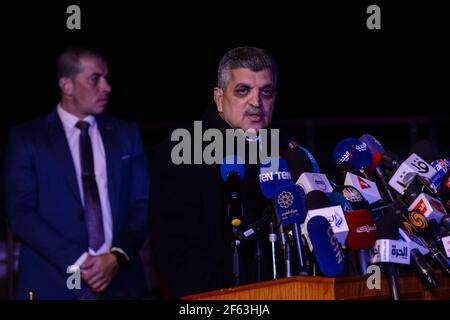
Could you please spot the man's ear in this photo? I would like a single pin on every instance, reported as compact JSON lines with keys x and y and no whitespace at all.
{"x":218,"y":95}
{"x":66,"y":85}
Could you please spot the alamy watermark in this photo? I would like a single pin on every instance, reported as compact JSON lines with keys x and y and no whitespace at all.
{"x":74,"y":279}
{"x":74,"y":20}
{"x":374,"y":279}
{"x":191,"y":150}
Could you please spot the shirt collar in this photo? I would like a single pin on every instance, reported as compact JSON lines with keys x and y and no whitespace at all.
{"x":69,"y":120}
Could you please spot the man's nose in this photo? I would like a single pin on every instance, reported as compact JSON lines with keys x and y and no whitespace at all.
{"x":255,"y":99}
{"x":105,"y":86}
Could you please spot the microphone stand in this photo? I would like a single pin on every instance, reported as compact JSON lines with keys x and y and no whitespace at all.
{"x":363,"y":260}
{"x":236,"y":269}
{"x":258,"y":259}
{"x":299,"y":250}
{"x":392,"y":275}
{"x":287,"y":259}
{"x":272,"y":240}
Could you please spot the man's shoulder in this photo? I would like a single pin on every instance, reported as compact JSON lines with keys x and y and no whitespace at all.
{"x":117,"y":122}
{"x":31,"y":127}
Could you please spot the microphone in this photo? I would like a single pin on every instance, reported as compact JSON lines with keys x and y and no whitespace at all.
{"x":291,"y":209}
{"x":362,"y":234}
{"x":317,"y":204}
{"x":375,"y":147}
{"x":446,"y":245}
{"x":325,"y":246}
{"x":337,"y":199}
{"x":354,"y":154}
{"x":408,"y":170}
{"x":424,"y":149}
{"x":444,"y":191}
{"x":353,"y":196}
{"x":305,"y":170}
{"x":418,"y":261}
{"x":389,"y":251}
{"x":298,"y":162}
{"x":418,"y":224}
{"x":314,"y":181}
{"x":433,"y":213}
{"x":256,"y":227}
{"x":362,"y":229}
{"x":435,"y":235}
{"x":427,"y":205}
{"x":367,"y":188}
{"x":390,"y":160}
{"x":273,"y":175}
{"x":232,"y":171}
{"x":287,"y":259}
{"x":377,"y":151}
{"x":290,"y":204}
{"x":272,"y":240}
{"x":445,"y":223}
{"x":315,"y":165}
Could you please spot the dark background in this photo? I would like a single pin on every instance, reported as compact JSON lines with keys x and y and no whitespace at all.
{"x":333,"y":71}
{"x":337,"y":79}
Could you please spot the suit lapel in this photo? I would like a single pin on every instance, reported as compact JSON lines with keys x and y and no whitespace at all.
{"x":111,"y":144}
{"x":61,"y":151}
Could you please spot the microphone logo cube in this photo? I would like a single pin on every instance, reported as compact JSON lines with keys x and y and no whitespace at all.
{"x":430,"y":207}
{"x":285,"y":199}
{"x":387,"y":250}
{"x":446,"y":243}
{"x":367,"y":188}
{"x":290,"y":204}
{"x":314,"y":181}
{"x":335,"y":217}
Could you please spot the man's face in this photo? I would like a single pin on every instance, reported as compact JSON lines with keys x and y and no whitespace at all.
{"x":248,"y":100}
{"x":91,"y":89}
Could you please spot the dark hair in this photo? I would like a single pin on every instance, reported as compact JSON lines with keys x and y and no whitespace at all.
{"x":255,"y":59}
{"x":68,"y":64}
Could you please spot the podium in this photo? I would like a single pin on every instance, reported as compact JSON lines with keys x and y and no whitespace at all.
{"x":328,"y":288}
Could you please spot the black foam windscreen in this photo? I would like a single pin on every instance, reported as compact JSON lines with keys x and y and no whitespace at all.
{"x":316,"y":199}
{"x":298,"y":162}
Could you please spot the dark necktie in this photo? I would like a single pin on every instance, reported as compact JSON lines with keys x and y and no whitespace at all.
{"x":92,"y":208}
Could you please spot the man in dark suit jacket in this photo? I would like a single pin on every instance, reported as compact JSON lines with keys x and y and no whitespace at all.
{"x":77,"y":192}
{"x":190,"y":229}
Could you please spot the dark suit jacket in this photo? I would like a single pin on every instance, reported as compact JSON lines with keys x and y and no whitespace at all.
{"x":45,"y":210}
{"x":190,"y":230}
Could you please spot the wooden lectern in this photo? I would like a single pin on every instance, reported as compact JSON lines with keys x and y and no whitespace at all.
{"x":327,"y":288}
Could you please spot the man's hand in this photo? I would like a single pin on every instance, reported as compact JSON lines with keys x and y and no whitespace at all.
{"x":98,"y":271}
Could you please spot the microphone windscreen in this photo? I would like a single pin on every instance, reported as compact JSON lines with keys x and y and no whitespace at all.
{"x":372,"y":143}
{"x":315,"y":165}
{"x":290,"y":204}
{"x":353,"y":151}
{"x":316,"y":199}
{"x":362,"y":232}
{"x":273,"y":175}
{"x":444,"y":188}
{"x":325,"y":246}
{"x":337,"y":199}
{"x":356,"y":199}
{"x":298,"y":162}
{"x":375,"y":148}
{"x":232,"y":163}
{"x":390,"y":160}
{"x":388,"y":225}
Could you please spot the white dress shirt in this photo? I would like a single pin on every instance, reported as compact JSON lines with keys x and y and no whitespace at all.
{"x":101,"y":177}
